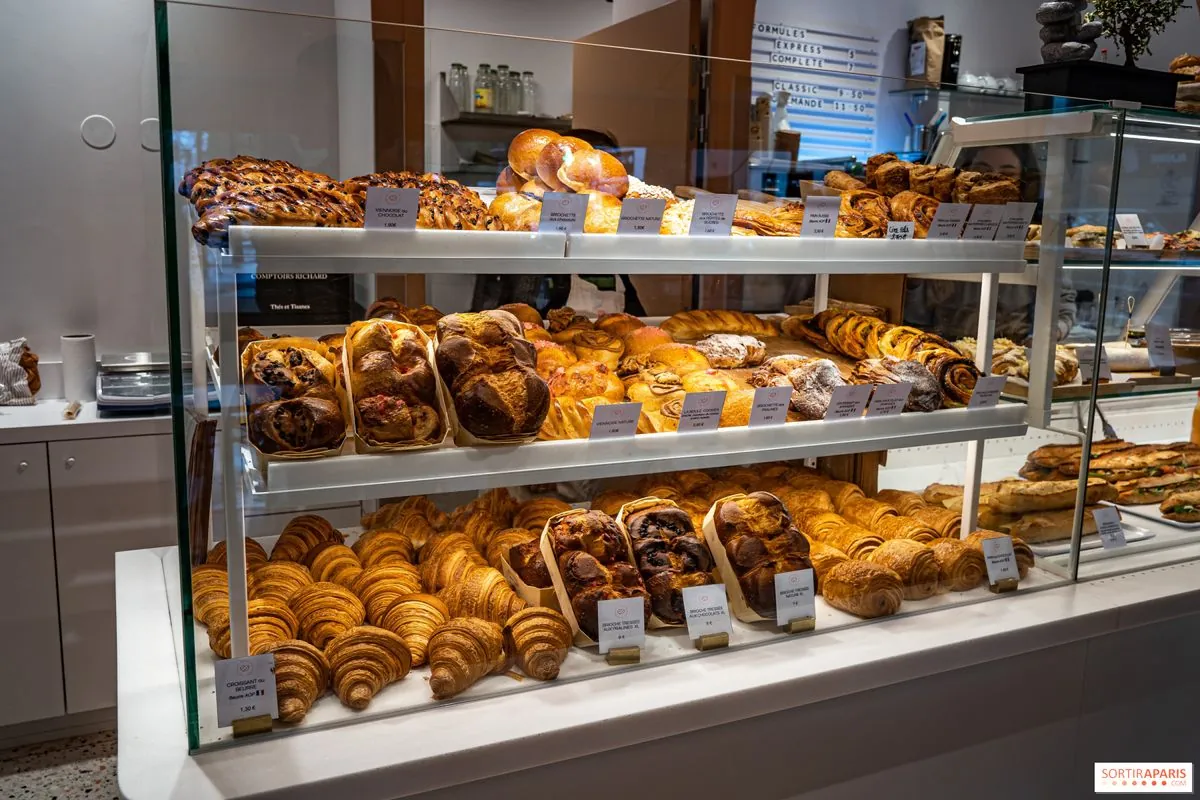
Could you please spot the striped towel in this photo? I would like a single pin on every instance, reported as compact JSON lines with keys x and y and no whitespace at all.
{"x":14,"y":382}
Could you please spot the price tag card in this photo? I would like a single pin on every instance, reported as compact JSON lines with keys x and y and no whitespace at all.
{"x":985,"y":222}
{"x":615,"y":421}
{"x":848,"y":402}
{"x":392,"y":209}
{"x":795,"y":596}
{"x":948,"y":221}
{"x":987,"y":391}
{"x":641,"y":215}
{"x":1087,"y":362}
{"x":821,"y":217}
{"x":1132,"y":230}
{"x":900,"y":231}
{"x":701,"y":411}
{"x":563,"y":212}
{"x":889,"y":399}
{"x":707,"y":610}
{"x":770,"y":405}
{"x":1014,"y":225}
{"x":1158,"y":340}
{"x":245,"y":688}
{"x":712,"y":215}
{"x":917,"y":54}
{"x":1112,"y":532}
{"x":1001,"y":560}
{"x":621,"y":623}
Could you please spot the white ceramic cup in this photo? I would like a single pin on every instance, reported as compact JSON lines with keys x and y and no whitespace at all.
{"x":79,"y":367}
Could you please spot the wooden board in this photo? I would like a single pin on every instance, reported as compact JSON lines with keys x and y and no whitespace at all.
{"x":1080,"y":391}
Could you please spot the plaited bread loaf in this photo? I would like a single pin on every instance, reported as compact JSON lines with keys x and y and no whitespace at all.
{"x":669,"y":553}
{"x":698,"y":324}
{"x":503,"y":541}
{"x":527,"y":561}
{"x":761,"y":542}
{"x":593,"y":561}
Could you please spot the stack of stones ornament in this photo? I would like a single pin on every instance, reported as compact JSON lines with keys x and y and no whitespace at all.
{"x":1065,"y":36}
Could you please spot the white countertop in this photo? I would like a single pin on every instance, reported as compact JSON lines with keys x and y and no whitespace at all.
{"x":44,"y":423}
{"x":409,"y":754}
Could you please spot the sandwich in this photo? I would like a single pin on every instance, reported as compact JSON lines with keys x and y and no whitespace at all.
{"x":1052,"y":456}
{"x":1090,"y":236}
{"x":1048,"y":526}
{"x":1019,"y":497}
{"x":1182,"y":507}
{"x":1152,"y":490}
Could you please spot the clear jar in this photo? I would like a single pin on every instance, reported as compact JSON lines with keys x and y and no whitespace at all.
{"x":459,"y":88}
{"x":501,"y":89}
{"x":513,"y":92}
{"x":528,"y":95}
{"x":484,"y":90}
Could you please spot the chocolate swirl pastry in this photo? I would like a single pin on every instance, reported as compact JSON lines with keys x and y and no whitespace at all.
{"x":444,"y":203}
{"x":864,"y":215}
{"x":917,"y":209}
{"x":286,"y":373}
{"x":300,"y":424}
{"x":926,"y":394}
{"x":317,"y":204}
{"x":670,"y":555}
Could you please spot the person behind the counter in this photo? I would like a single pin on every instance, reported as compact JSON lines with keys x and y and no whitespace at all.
{"x":951,"y":308}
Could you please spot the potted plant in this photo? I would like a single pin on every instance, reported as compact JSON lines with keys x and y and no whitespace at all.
{"x":1069,"y":43}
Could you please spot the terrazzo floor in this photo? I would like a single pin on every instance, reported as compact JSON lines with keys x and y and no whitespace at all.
{"x":65,"y":769}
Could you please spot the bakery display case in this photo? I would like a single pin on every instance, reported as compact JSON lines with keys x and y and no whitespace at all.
{"x":600,"y":412}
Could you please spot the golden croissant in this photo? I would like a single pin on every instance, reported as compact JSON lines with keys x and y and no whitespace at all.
{"x":447,"y":559}
{"x":960,"y":566}
{"x":1021,"y":550}
{"x":947,"y":523}
{"x":482,"y":593}
{"x":902,"y":501}
{"x":278,"y":580}
{"x":378,"y":587}
{"x":362,"y":661}
{"x":324,"y":610}
{"x":383,"y":546}
{"x":302,"y":534}
{"x":389,"y":516}
{"x":333,"y":562}
{"x":461,"y":652}
{"x":538,"y":640}
{"x":534,"y":513}
{"x":414,"y":618}
{"x":210,"y":592}
{"x":913,"y":562}
{"x":255,"y":555}
{"x":823,"y":557}
{"x":267,"y":621}
{"x":301,"y":677}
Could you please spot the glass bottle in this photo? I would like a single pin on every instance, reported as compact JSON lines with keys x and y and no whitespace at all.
{"x":458,"y":86}
{"x":483,"y":89}
{"x":513,"y":90}
{"x":501,"y":90}
{"x":528,"y":95}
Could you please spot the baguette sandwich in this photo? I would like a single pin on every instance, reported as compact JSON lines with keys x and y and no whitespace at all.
{"x":1182,"y":507}
{"x":1019,"y":497}
{"x":1144,"y":491}
{"x":1049,"y":526}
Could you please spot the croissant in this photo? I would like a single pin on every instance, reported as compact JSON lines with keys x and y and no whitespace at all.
{"x":913,"y":562}
{"x":863,"y":589}
{"x":1020,"y":549}
{"x":482,"y":593}
{"x":379,"y":586}
{"x":267,"y":621}
{"x":504,"y":541}
{"x":917,"y":209}
{"x":278,"y":580}
{"x":479,"y":527}
{"x":865,"y":512}
{"x":854,"y":541}
{"x":210,"y":592}
{"x":534,"y":513}
{"x":256,"y":556}
{"x":842,"y":492}
{"x":947,"y":523}
{"x":904,"y":502}
{"x":450,"y":566}
{"x":330,"y":561}
{"x":388,"y":515}
{"x":538,"y":640}
{"x":898,"y":527}
{"x":384,"y":546}
{"x":301,"y":676}
{"x":324,"y":610}
{"x":960,"y":567}
{"x":302,"y":534}
{"x":823,"y":558}
{"x":362,"y":661}
{"x":461,"y":652}
{"x":414,"y":618}
{"x":500,"y":503}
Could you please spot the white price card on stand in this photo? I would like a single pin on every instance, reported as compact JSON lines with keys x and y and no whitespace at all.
{"x":1158,"y":341}
{"x":1112,"y":532}
{"x":621,"y":623}
{"x":987,"y":391}
{"x":641,"y":215}
{"x":848,"y":402}
{"x":1132,"y":230}
{"x":701,"y":411}
{"x":948,"y":221}
{"x":821,"y":217}
{"x":1087,"y":362}
{"x":615,"y":421}
{"x":984,"y":223}
{"x":795,"y":596}
{"x":712,"y":215}
{"x":1001,"y":560}
{"x":392,"y":209}
{"x":563,"y":212}
{"x":245,"y":688}
{"x":900,"y":231}
{"x":1014,"y":225}
{"x":706,"y":610}
{"x":770,"y":405}
{"x":889,"y":399}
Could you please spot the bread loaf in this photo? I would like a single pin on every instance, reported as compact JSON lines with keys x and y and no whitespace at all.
{"x":669,"y":553}
{"x":760,"y":541}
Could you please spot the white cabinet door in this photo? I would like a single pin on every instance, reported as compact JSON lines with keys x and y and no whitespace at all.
{"x":109,"y":495}
{"x":31,"y":678}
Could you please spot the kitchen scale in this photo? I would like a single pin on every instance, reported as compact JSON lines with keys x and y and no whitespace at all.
{"x":134,"y":383}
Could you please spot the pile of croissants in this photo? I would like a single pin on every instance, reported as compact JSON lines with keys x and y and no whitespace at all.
{"x":415,"y":588}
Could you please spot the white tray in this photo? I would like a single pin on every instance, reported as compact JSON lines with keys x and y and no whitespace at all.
{"x":1133,"y":533}
{"x":1151,"y":512}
